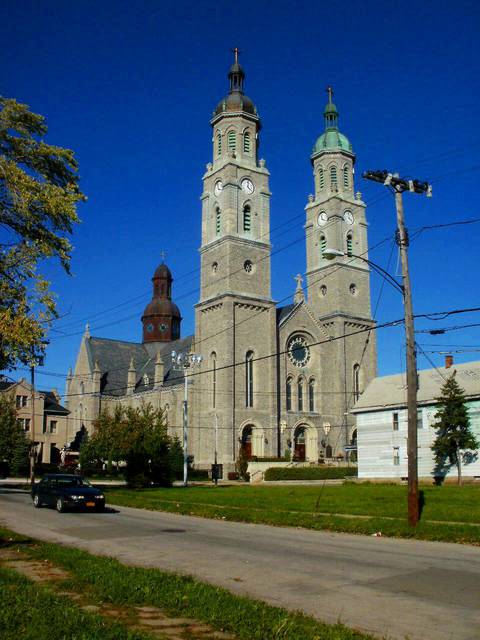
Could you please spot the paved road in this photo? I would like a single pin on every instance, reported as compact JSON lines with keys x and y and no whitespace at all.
{"x":396,"y":588}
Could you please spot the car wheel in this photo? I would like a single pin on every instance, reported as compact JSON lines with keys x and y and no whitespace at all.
{"x":60,"y":505}
{"x":36,"y":501}
{"x":100,"y":508}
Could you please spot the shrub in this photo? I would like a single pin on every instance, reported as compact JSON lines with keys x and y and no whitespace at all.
{"x":309,"y":473}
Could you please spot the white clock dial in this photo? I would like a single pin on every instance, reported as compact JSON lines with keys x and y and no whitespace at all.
{"x":247,"y":186}
{"x":218,"y":188}
{"x":322,"y":218}
{"x":348,"y":217}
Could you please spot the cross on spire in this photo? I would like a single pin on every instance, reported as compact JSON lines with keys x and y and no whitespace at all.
{"x":163,"y":255}
{"x":236,"y":51}
{"x":329,"y":90}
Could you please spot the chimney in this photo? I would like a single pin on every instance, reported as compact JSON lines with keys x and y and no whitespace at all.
{"x":448,"y":362}
{"x":96,"y":378}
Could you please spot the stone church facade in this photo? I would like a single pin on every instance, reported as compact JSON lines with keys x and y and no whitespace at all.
{"x":272,"y":378}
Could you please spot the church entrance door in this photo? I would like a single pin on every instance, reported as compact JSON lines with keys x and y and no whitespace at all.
{"x":299,"y":445}
{"x":247,"y":441}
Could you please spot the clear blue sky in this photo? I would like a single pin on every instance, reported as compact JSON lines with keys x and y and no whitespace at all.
{"x":130,"y":86}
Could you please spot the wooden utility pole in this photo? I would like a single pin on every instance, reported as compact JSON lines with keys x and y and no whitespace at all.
{"x":32,"y":424}
{"x":399,"y":185}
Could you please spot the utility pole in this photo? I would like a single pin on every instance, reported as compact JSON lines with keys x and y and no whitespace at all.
{"x":399,"y":185}
{"x":216,"y":447}
{"x":32,"y":427}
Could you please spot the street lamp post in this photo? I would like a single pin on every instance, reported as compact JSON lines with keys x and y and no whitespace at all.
{"x":183,"y":362}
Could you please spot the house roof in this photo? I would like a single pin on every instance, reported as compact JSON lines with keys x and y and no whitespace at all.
{"x":51,"y":404}
{"x":391,"y":391}
{"x":114,"y":357}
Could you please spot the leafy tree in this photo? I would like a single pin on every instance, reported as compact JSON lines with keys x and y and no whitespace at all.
{"x":39,"y":193}
{"x":242,"y":464}
{"x":14,"y":446}
{"x":453,"y":429}
{"x":137,"y":437}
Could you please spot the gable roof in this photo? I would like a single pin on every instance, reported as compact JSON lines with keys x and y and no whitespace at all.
{"x":391,"y":391}
{"x":51,"y":404}
{"x":114,"y":356}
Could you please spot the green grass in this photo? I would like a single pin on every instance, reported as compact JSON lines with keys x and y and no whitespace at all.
{"x":449,"y":514}
{"x":111,"y":582}
{"x":30,"y":612}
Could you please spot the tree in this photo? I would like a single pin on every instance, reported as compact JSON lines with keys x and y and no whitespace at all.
{"x":39,"y":193}
{"x":14,"y":446}
{"x":453,"y":429}
{"x":137,"y":437}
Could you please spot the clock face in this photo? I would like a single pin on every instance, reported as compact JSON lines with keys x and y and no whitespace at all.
{"x":162,"y":327}
{"x":247,"y":186}
{"x":322,"y":218}
{"x":149,"y":327}
{"x":298,"y":351}
{"x":218,"y":188}
{"x":348,"y":217}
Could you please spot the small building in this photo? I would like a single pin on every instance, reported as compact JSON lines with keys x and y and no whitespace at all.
{"x":381,"y":414}
{"x":46,"y":423}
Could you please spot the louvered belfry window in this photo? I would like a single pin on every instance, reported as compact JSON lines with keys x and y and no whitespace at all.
{"x":217,"y":220}
{"x":321,"y":178}
{"x":246,"y":142}
{"x":349,"y":245}
{"x":219,"y":143}
{"x":323,"y":244}
{"x":333,"y":177}
{"x":346,"y":179}
{"x":247,"y":218}
{"x":231,"y":141}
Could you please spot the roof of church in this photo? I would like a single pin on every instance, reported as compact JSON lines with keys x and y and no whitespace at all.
{"x":114,"y":357}
{"x":331,"y":139}
{"x":284,"y":312}
{"x":391,"y":391}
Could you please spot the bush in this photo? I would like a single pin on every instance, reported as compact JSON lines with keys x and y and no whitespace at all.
{"x":198,"y":474}
{"x":41,"y":468}
{"x":310,"y":473}
{"x":269,"y":459}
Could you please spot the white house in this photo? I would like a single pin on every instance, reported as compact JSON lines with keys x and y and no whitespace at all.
{"x":382,"y":422}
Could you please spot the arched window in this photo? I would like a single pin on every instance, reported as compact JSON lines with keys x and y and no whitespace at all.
{"x":214,"y":379}
{"x":356,"y":382}
{"x":311,"y":394}
{"x":249,"y":379}
{"x":346,"y":177}
{"x":219,"y":143}
{"x":333,"y":177}
{"x":217,"y":220}
{"x":82,"y":387}
{"x":231,"y":141}
{"x":349,"y":245}
{"x":321,"y":178}
{"x":300,"y":394}
{"x":288,"y":394}
{"x":247,"y":218}
{"x":246,"y":142}
{"x":323,"y":244}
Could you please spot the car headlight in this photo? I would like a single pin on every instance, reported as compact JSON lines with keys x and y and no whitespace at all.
{"x":78,"y":497}
{"x":101,"y":497}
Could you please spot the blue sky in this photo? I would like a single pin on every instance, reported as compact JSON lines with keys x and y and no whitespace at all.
{"x":130,"y":86}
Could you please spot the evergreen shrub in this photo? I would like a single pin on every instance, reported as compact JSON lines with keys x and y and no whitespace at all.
{"x":310,"y":473}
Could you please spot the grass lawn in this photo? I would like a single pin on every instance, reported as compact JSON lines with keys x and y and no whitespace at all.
{"x":450,"y":513}
{"x":32,"y":612}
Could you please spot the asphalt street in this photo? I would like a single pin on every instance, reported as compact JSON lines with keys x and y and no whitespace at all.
{"x":392,"y":588}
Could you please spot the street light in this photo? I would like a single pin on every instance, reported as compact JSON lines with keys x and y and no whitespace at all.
{"x":183,"y":362}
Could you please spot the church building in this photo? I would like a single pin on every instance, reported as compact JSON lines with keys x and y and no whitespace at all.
{"x":271,"y":379}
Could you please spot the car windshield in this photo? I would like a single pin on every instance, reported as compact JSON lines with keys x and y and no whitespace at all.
{"x":73,"y":482}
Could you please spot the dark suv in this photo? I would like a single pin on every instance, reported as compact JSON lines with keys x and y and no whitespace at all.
{"x":65,"y":491}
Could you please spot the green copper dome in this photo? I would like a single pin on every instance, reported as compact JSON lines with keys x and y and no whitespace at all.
{"x":331,"y":139}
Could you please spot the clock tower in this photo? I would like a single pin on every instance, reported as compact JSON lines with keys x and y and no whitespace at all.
{"x":235,"y":317}
{"x":161,"y":318}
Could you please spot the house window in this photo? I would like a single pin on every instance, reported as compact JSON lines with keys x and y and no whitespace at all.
{"x":24,"y":423}
{"x":247,"y":219}
{"x":356,"y":382}
{"x":349,"y":245}
{"x":333,"y":178}
{"x":21,"y":401}
{"x":219,"y":143}
{"x":249,"y":379}
{"x":246,"y":142}
{"x":396,"y":456}
{"x":420,"y":419}
{"x":217,"y":220}
{"x":346,"y":180}
{"x":311,"y":395}
{"x":321,"y":178}
{"x":300,"y":394}
{"x":231,"y":141}
{"x":53,"y":426}
{"x":395,"y":421}
{"x":288,"y":394}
